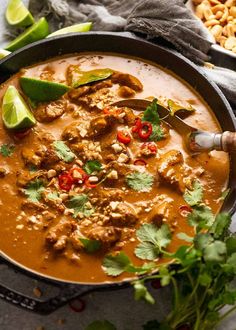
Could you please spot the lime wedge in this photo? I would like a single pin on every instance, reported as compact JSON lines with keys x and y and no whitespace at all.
{"x":4,"y":53}
{"x":37,"y":31}
{"x":15,"y":112}
{"x":42,"y":90}
{"x":82,"y":27}
{"x":17,"y":14}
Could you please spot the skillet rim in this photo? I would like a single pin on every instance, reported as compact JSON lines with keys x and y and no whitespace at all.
{"x":125,"y":36}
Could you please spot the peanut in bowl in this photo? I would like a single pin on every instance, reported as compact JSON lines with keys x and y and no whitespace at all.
{"x":219,"y":17}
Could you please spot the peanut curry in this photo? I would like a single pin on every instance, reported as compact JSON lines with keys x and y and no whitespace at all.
{"x":83,"y":181}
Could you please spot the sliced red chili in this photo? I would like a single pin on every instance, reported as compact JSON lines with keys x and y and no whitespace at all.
{"x":140,"y":162}
{"x":151,"y":147}
{"x":185,"y":210}
{"x":78,"y":174}
{"x":65,"y":181}
{"x":123,"y":137}
{"x":89,"y":184}
{"x":145,"y":130}
{"x":77,"y":305}
{"x":137,"y":125}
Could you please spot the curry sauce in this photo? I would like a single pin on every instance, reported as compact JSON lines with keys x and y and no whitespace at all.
{"x":117,"y":176}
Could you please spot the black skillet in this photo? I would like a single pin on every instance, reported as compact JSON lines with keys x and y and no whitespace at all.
{"x":125,"y":44}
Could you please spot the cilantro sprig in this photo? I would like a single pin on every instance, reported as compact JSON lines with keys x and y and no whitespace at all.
{"x":34,"y":190}
{"x":7,"y":150}
{"x":116,"y":265}
{"x":151,"y":115}
{"x":63,"y":151}
{"x":92,"y":166}
{"x":153,"y":241}
{"x":81,"y":206}
{"x":140,"y":181}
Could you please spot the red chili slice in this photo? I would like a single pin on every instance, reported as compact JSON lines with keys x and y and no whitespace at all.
{"x":151,"y":147}
{"x":123,"y":137}
{"x":89,"y":184}
{"x":145,"y":130}
{"x":65,"y":181}
{"x":185,"y":210}
{"x":140,"y":162}
{"x":109,"y":111}
{"x":137,"y":125}
{"x":77,"y":305}
{"x":83,"y":174}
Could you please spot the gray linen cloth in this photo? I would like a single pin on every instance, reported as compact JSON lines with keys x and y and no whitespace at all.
{"x":168,"y":19}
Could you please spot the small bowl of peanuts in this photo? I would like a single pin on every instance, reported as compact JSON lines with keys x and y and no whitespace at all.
{"x":219,"y":17}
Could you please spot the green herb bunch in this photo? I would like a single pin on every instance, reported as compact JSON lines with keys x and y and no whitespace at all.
{"x":202,"y":274}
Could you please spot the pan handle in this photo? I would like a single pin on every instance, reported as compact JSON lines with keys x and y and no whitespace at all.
{"x":66,"y":294}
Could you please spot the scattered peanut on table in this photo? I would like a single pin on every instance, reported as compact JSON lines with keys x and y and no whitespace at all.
{"x":219,"y":16}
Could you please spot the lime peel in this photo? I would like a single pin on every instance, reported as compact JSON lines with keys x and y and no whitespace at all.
{"x":15,"y":112}
{"x":37,"y":31}
{"x":42,"y":90}
{"x":17,"y":14}
{"x":82,"y":27}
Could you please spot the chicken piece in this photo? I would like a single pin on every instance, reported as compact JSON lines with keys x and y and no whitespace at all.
{"x":58,"y":235}
{"x":3,"y":172}
{"x":160,"y":212}
{"x":75,"y":240}
{"x":50,"y":158}
{"x":171,"y":168}
{"x":129,"y":117}
{"x":75,"y":94}
{"x":71,"y":132}
{"x":128,"y":80}
{"x":30,"y":205}
{"x":125,"y":92}
{"x":48,"y":112}
{"x":101,"y":125}
{"x":33,"y":157}
{"x":106,"y":195}
{"x":106,"y":235}
{"x":24,"y":177}
{"x":123,"y":214}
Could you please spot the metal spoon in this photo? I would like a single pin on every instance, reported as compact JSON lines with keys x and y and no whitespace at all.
{"x":195,"y":139}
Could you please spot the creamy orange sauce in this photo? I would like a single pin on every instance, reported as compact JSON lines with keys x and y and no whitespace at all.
{"x":27,"y":246}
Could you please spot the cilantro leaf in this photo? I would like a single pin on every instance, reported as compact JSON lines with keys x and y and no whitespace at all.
{"x":92,"y":166}
{"x":231,"y":245}
{"x":140,"y":181}
{"x":116,"y":265}
{"x":151,"y":113}
{"x":201,"y":217}
{"x":141,"y":292}
{"x":63,"y":151}
{"x":194,"y":197}
{"x":157,"y":133}
{"x":147,"y":250}
{"x":34,"y":190}
{"x":232,"y":262}
{"x":80,"y":204}
{"x":153,"y":239}
{"x":54,"y":195}
{"x":90,"y":245}
{"x":215,"y":252}
{"x":221,"y":225}
{"x":7,"y":150}
{"x":201,"y":240}
{"x":100,"y":325}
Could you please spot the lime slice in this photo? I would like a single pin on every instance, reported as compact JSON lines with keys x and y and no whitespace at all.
{"x":15,"y":112}
{"x":17,"y":14}
{"x":4,"y":53}
{"x":42,"y":90}
{"x":82,"y":27}
{"x":37,"y":31}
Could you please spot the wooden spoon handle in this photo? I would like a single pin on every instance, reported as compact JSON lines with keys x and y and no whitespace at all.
{"x":228,"y":141}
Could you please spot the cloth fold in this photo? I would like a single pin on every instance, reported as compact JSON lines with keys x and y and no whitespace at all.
{"x":170,"y":20}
